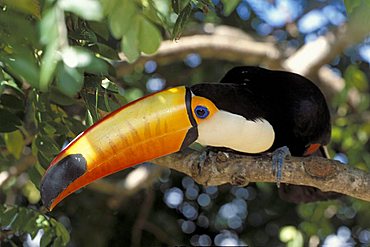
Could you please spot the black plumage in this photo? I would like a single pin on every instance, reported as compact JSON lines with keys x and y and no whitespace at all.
{"x":292,"y":104}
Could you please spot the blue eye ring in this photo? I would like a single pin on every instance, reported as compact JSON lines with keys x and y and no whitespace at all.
{"x":201,"y":111}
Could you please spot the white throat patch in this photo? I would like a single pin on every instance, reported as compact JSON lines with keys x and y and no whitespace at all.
{"x":225,"y":129}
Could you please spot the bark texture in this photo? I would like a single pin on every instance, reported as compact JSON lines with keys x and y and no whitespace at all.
{"x":219,"y":168}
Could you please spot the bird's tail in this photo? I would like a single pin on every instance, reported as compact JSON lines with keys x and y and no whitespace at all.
{"x":304,"y":194}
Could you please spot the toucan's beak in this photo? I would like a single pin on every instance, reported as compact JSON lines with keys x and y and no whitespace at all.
{"x":153,"y":126}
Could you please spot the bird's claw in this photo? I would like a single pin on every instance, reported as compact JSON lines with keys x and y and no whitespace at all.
{"x":278,"y":157}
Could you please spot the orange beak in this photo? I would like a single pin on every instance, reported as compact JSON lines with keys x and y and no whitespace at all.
{"x":154,"y":126}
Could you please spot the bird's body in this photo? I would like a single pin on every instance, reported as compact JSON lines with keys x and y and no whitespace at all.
{"x":292,"y":104}
{"x":252,"y":110}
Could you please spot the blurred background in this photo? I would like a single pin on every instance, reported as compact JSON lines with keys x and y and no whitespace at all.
{"x":65,"y":64}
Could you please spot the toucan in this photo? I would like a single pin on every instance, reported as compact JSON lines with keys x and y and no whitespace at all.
{"x":252,"y":110}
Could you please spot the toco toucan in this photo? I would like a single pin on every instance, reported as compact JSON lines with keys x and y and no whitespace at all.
{"x":252,"y":110}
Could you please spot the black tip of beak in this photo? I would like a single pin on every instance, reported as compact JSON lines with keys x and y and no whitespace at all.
{"x":59,"y":176}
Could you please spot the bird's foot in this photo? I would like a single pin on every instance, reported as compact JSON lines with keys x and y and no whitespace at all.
{"x":278,"y":157}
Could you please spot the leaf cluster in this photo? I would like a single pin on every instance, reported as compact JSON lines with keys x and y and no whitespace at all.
{"x":20,"y":221}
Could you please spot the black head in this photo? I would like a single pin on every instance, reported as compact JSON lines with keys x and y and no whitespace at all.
{"x":244,"y":74}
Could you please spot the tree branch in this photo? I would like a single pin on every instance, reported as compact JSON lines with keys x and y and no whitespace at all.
{"x":220,"y":168}
{"x":225,"y":43}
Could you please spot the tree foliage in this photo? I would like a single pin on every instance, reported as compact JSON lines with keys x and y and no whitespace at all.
{"x":59,"y":62}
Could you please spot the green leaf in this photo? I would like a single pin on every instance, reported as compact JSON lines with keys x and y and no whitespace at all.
{"x":46,"y":145}
{"x":24,"y":66}
{"x":76,"y":126}
{"x":8,"y":217}
{"x":130,"y":42}
{"x":45,"y":116}
{"x":89,"y":35}
{"x":29,"y":226}
{"x":229,"y":6}
{"x":8,"y":121}
{"x":58,"y":128}
{"x":97,"y":66}
{"x":14,"y":142}
{"x":27,"y":6}
{"x":79,"y":57}
{"x":287,"y":233}
{"x":76,"y":57}
{"x":181,"y":21}
{"x":48,"y":65}
{"x":179,"y":5}
{"x":61,"y":231}
{"x":154,"y":13}
{"x":69,"y":80}
{"x":91,"y":105}
{"x":2,"y":78}
{"x":2,"y":212}
{"x":20,"y":220}
{"x":48,"y":33}
{"x":358,"y":19}
{"x":133,"y":94}
{"x":356,"y":78}
{"x":106,"y":102}
{"x":100,"y":28}
{"x":89,"y":118}
{"x":12,"y":85}
{"x":46,"y":238}
{"x":107,"y":51}
{"x":34,"y":175}
{"x":109,"y":85}
{"x":87,"y":9}
{"x":11,"y":102}
{"x":350,"y":5}
{"x":149,"y":37}
{"x":2,"y":142}
{"x":58,"y":242}
{"x":121,"y":18}
{"x":43,"y":160}
{"x":49,"y":129}
{"x":292,"y":236}
{"x":31,"y":192}
{"x":17,"y":30}
{"x":59,"y":98}
{"x":109,"y":6}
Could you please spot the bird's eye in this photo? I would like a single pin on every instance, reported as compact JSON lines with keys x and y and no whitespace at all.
{"x":201,"y":111}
